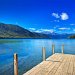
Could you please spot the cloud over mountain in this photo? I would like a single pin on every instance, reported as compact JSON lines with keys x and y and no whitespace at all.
{"x":64,"y":28}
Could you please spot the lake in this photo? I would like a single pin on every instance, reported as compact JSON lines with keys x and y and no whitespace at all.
{"x":29,"y":52}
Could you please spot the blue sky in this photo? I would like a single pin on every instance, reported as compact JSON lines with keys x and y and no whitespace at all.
{"x":40,"y":15}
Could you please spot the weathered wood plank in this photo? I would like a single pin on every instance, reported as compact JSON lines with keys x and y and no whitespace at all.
{"x":70,"y":68}
{"x":43,"y":68}
{"x":57,"y":64}
{"x":60,"y":69}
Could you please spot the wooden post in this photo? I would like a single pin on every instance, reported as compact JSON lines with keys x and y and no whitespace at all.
{"x":15,"y":64}
{"x":62,"y":49}
{"x":53,"y":47}
{"x":44,"y":53}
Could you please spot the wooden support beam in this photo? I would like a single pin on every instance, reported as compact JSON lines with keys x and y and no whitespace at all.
{"x":62,"y":49}
{"x":53,"y":48}
{"x":15,"y":64}
{"x":44,"y":53}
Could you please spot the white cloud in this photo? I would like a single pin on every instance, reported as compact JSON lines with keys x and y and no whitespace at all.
{"x":48,"y":30}
{"x":55,"y":15}
{"x":64,"y":28}
{"x":42,"y":30}
{"x":38,"y":31}
{"x":33,"y":29}
{"x":45,"y":30}
{"x":64,"y":16}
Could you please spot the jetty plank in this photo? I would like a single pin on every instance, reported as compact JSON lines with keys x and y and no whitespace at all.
{"x":57,"y":64}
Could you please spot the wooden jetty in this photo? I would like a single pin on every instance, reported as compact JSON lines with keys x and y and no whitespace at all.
{"x":56,"y":64}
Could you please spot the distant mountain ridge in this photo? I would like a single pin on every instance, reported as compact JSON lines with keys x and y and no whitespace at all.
{"x":72,"y":36}
{"x":15,"y":31}
{"x":60,"y":36}
{"x":54,"y":35}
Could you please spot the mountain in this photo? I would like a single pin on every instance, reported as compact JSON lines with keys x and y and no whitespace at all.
{"x":15,"y":31}
{"x":54,"y":35}
{"x":72,"y":37}
{"x":59,"y":36}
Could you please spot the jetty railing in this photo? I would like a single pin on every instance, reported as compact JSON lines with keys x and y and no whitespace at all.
{"x":15,"y":64}
{"x":53,"y":51}
{"x":62,"y":49}
{"x":44,"y":53}
{"x":53,"y":48}
{"x":43,"y":57}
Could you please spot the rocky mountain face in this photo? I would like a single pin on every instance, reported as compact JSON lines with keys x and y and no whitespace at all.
{"x":15,"y":31}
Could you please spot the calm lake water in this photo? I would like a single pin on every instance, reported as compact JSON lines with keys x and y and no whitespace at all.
{"x":29,"y":52}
